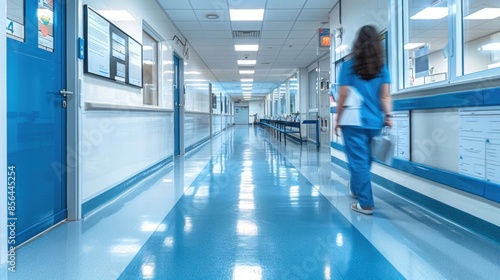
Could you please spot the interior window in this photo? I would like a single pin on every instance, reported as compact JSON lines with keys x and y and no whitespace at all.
{"x":481,"y":35}
{"x":425,"y":42}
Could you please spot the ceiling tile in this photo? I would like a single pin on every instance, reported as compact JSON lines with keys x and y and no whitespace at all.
{"x":320,"y":4}
{"x":204,"y":4}
{"x":174,"y":5}
{"x":308,"y":25}
{"x":281,"y":15}
{"x":285,"y":4}
{"x":272,"y":42}
{"x":189,"y":25}
{"x":246,"y":25}
{"x":181,"y":15}
{"x":201,"y":15}
{"x":218,"y":34}
{"x":215,"y":25}
{"x":194,"y":34}
{"x":277,"y":25}
{"x":314,"y":14}
{"x":268,"y":34}
{"x":239,"y":4}
{"x":299,"y":34}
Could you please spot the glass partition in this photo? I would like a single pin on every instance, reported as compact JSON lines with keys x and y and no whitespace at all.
{"x":425,"y":33}
{"x":481,"y":35}
{"x":294,"y":96}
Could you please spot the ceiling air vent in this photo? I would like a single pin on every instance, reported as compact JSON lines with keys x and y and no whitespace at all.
{"x":245,"y":34}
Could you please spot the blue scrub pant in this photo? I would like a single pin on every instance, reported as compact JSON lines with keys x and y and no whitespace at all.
{"x":358,"y":151}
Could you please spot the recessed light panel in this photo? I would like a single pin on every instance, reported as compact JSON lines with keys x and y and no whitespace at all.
{"x":246,"y":14}
{"x":247,"y":62}
{"x":431,"y":13}
{"x":251,"y":48}
{"x":486,"y":13}
{"x":411,"y":46}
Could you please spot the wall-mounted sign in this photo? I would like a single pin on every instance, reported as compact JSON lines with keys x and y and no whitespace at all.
{"x":45,"y":15}
{"x":109,"y":52}
{"x":15,"y":19}
{"x":324,"y":37}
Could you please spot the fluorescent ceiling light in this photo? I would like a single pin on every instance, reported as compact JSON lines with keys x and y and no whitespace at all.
{"x":116,"y":15}
{"x":431,"y":13}
{"x":246,"y":14}
{"x":486,"y":13}
{"x":411,"y":46}
{"x":247,"y":72}
{"x":246,"y":80}
{"x":247,"y":62}
{"x":246,"y":85}
{"x":490,"y":47}
{"x":250,"y":48}
{"x":192,"y":73}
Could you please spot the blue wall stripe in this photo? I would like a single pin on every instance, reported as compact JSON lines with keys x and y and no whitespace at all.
{"x":491,"y":96}
{"x":468,"y":184}
{"x":479,"y":97}
{"x":448,"y":100}
{"x":472,"y":223}
{"x":197,"y":144}
{"x":25,"y":235}
{"x":120,"y":189}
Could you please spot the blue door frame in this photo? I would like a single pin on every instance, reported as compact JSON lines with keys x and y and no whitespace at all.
{"x":36,"y":120}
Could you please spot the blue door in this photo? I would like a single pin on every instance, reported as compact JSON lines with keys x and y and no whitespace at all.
{"x":177,"y":106}
{"x":36,"y":118}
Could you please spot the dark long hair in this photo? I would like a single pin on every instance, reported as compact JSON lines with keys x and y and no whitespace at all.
{"x":368,"y":53}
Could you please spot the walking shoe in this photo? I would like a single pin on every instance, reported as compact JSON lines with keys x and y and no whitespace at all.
{"x":367,"y":210}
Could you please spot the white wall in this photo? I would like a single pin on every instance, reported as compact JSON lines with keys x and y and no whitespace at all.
{"x":119,"y":144}
{"x":256,"y":106}
{"x":3,"y":136}
{"x":357,"y":13}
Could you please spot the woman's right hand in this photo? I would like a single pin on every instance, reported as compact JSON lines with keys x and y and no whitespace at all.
{"x":388,"y":121}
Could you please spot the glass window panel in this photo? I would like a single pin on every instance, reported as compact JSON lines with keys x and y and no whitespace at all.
{"x":481,"y":35}
{"x":313,"y":89}
{"x":294,"y":89}
{"x":150,"y":69}
{"x":283,"y":98}
{"x":425,"y":42}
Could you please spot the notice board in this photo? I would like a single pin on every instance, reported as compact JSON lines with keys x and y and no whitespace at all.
{"x":109,"y":52}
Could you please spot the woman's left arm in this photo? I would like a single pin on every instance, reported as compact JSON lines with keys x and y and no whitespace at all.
{"x":343,"y":91}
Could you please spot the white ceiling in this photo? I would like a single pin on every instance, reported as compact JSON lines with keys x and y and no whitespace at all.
{"x":288,"y":38}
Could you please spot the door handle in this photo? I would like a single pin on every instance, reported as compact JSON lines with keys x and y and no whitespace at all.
{"x":65,"y":93}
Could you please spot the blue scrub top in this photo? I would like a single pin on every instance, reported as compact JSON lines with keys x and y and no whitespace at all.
{"x":371,"y":109}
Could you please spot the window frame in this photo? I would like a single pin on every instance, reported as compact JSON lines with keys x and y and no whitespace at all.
{"x":454,"y":48}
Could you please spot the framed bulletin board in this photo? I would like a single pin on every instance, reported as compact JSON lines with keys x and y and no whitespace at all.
{"x":109,"y":52}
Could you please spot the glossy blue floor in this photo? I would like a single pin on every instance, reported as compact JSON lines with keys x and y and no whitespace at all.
{"x":245,"y":206}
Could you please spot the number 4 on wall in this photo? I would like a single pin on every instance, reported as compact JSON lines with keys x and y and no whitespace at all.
{"x":15,"y":30}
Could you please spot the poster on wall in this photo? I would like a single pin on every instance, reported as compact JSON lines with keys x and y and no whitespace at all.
{"x":15,"y":20}
{"x":135,"y":63}
{"x":97,"y":45}
{"x":45,"y":15}
{"x":109,"y":52}
{"x":479,"y":143}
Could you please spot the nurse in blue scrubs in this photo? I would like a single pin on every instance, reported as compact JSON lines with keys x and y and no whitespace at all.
{"x":366,"y":75}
